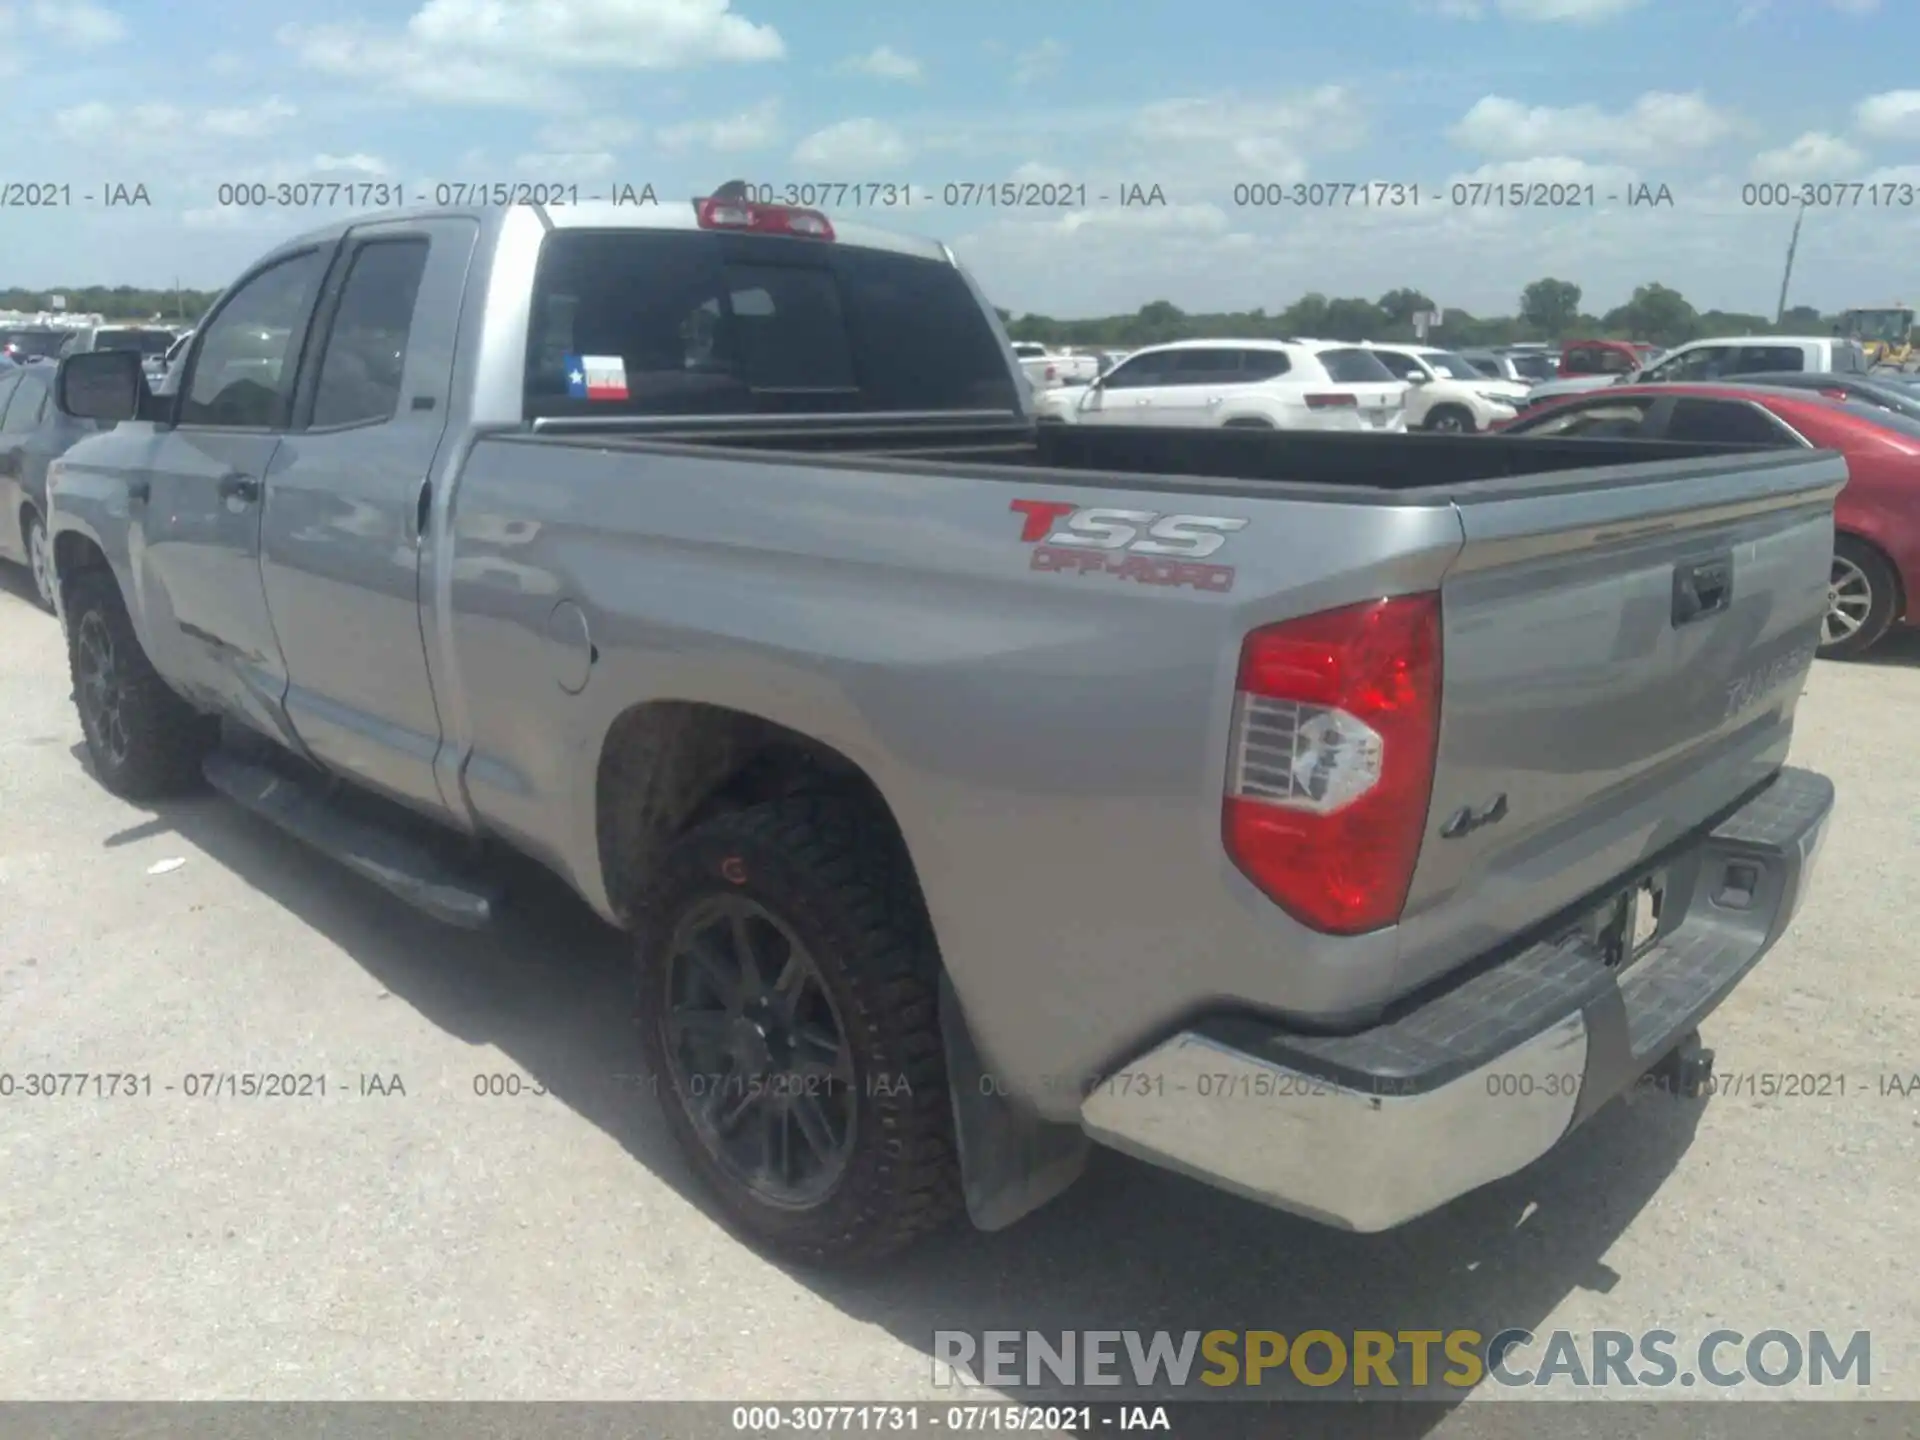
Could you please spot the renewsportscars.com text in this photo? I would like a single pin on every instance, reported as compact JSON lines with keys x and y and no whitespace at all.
{"x":1411,"y":1360}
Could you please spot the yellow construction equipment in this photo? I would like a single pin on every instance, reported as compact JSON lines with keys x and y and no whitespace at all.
{"x":1885,"y":333}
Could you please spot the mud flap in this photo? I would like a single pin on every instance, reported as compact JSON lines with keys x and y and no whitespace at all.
{"x":1012,"y":1161}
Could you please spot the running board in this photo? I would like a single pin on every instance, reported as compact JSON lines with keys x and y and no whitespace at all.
{"x":398,"y":864}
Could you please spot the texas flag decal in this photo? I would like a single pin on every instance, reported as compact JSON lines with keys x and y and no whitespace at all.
{"x":596,"y":377}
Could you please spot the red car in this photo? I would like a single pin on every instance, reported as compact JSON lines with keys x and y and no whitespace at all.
{"x":1876,"y":553}
{"x":1602,"y":357}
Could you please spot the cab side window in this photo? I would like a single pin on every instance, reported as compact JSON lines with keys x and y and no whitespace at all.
{"x":366,"y":347}
{"x":243,"y":369}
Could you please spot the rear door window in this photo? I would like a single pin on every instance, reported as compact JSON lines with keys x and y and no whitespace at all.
{"x":1205,"y":367}
{"x":366,"y":347}
{"x":1355,"y":367}
{"x":1729,"y":422}
{"x":672,"y":323}
{"x":1257,"y":365}
{"x":1758,"y":359}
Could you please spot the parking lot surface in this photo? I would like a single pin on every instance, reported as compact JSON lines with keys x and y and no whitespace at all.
{"x":412,"y":1234}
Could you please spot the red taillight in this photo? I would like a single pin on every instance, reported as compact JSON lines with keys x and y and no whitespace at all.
{"x":1331,"y":402}
{"x":1335,"y":726}
{"x":1052,"y":373}
{"x":718,"y":214}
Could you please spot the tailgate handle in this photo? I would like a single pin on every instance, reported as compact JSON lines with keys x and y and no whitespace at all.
{"x":1702,"y":589}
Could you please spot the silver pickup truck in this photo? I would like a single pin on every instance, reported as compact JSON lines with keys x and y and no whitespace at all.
{"x":1341,"y":819}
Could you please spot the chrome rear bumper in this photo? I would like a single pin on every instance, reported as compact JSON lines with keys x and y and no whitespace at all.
{"x":1370,"y":1130}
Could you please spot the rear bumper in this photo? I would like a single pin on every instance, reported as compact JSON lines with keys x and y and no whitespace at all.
{"x":1370,"y":1130}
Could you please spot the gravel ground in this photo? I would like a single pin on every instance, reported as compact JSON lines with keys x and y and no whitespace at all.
{"x":415,"y":1240}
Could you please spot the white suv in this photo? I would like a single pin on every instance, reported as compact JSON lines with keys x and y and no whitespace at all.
{"x":1448,"y":393}
{"x":1250,"y":384}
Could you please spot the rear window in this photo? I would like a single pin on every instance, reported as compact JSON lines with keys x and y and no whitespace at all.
{"x":143,"y":342}
{"x":1354,"y":367}
{"x":37,"y":343}
{"x":694,"y":323}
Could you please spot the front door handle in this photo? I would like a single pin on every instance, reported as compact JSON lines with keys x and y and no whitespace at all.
{"x":239,"y":487}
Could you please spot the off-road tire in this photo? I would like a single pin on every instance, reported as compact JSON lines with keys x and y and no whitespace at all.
{"x":166,"y":737}
{"x":833,"y":872}
{"x":1884,"y":588}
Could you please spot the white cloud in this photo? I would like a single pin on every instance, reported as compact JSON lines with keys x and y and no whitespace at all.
{"x":1891,"y":115}
{"x":248,"y":121}
{"x":1816,"y":155}
{"x":563,"y":166}
{"x":77,"y":22}
{"x":753,"y":129}
{"x":1657,"y":123}
{"x":504,"y":53}
{"x":1539,"y":12}
{"x":1038,"y":62}
{"x":853,"y":147}
{"x":165,"y":127}
{"x":585,"y":134}
{"x":1567,"y":12}
{"x":1224,"y":139}
{"x":883,"y":63}
{"x":1035,"y":173}
{"x":1549,"y":170}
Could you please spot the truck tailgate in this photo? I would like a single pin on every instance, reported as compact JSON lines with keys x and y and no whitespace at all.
{"x":1622,"y":656}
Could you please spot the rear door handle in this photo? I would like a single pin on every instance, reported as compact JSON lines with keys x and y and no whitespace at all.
{"x":1701,"y":589}
{"x":239,"y":487}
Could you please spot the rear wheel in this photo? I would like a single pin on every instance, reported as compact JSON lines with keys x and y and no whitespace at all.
{"x":40,"y":559}
{"x":144,"y":740}
{"x":788,"y":1014}
{"x":1862,"y":592}
{"x":1450,"y":420}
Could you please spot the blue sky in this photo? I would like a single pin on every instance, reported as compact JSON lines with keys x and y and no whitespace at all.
{"x":1701,"y":96}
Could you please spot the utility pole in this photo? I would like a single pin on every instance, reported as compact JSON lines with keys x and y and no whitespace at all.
{"x":1780,"y":310}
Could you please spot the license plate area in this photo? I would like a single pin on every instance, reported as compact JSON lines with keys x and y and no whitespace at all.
{"x":1626,"y":926}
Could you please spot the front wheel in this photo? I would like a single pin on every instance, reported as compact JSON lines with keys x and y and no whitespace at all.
{"x":144,"y":740}
{"x":40,"y":560}
{"x":1450,"y":420}
{"x":1861,"y":595}
{"x":789,"y":1018}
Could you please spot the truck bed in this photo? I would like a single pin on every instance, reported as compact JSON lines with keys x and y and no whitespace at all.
{"x":1317,"y":464}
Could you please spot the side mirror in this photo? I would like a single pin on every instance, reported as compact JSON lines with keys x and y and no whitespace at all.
{"x":1417,"y":378}
{"x":103,"y":385}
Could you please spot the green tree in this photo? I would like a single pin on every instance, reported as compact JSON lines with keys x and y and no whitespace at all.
{"x":1550,"y":306}
{"x":1400,"y":306}
{"x":1655,"y":313}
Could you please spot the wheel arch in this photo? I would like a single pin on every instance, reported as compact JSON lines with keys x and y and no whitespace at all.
{"x":666,"y":766}
{"x":1863,"y":535}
